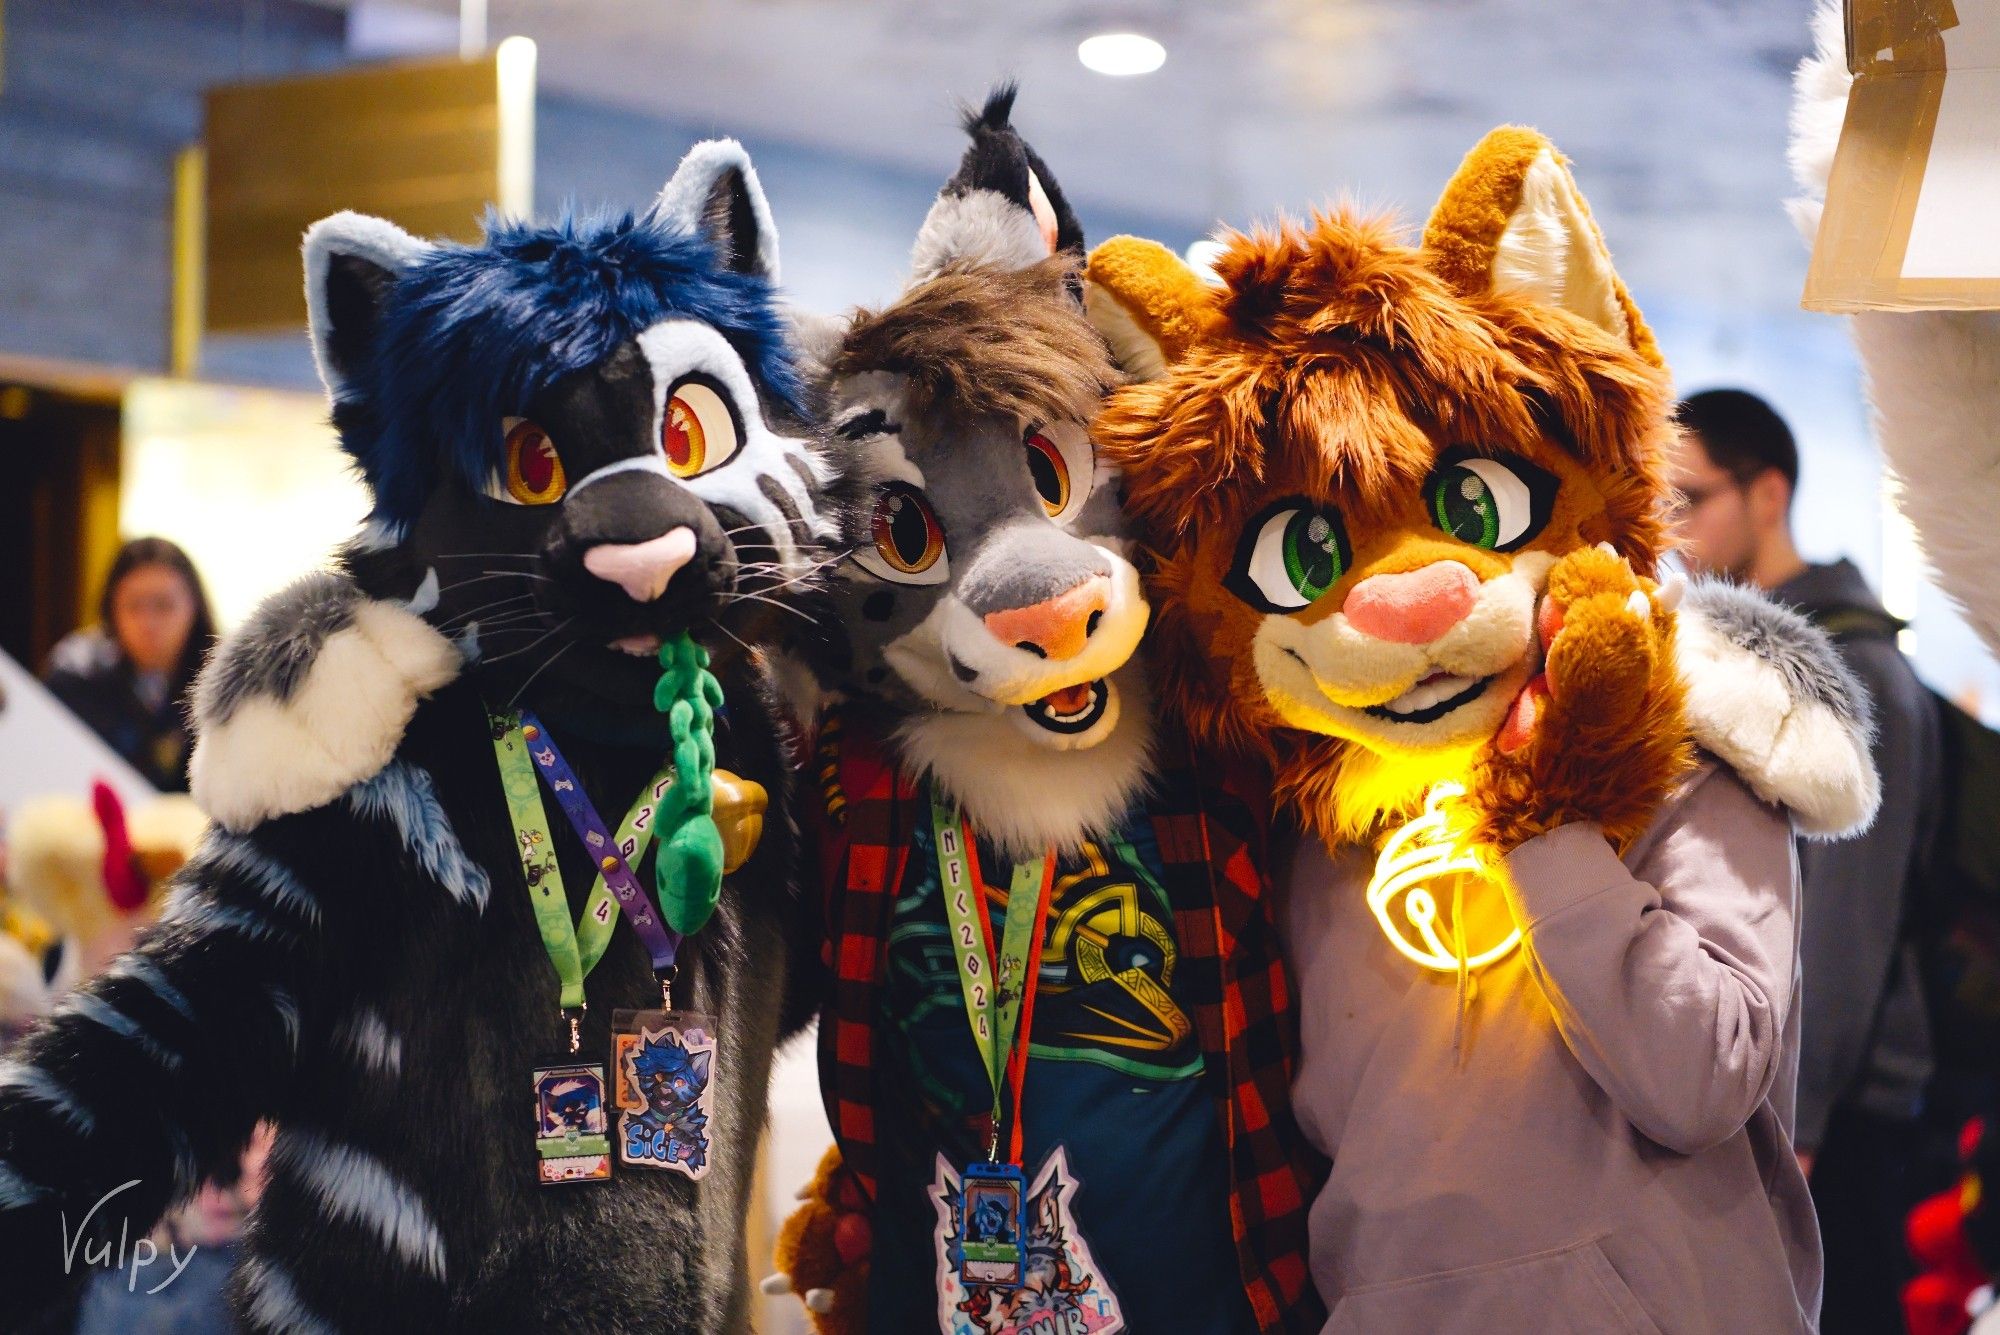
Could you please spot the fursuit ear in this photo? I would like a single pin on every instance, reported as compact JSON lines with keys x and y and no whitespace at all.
{"x":715,"y":194}
{"x":1146,"y":303}
{"x":1002,"y":207}
{"x":1512,"y":220}
{"x":352,"y":260}
{"x":815,"y":341}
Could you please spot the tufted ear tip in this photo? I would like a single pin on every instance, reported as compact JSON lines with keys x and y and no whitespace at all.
{"x":1002,"y":207}
{"x":997,"y":112}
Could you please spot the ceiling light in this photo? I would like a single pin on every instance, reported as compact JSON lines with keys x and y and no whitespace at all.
{"x":1121,"y":53}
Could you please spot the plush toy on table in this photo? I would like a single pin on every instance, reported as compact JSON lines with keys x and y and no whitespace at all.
{"x":997,"y":788}
{"x":593,"y":463}
{"x":88,"y":876}
{"x":1406,"y":506}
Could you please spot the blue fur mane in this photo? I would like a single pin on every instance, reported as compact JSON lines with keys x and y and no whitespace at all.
{"x":469,"y":334}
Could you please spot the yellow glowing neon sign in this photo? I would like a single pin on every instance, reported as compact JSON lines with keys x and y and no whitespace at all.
{"x":1422,"y":851}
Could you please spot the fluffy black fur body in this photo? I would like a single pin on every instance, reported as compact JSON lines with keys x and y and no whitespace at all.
{"x":389,"y":1029}
{"x":471,"y":997}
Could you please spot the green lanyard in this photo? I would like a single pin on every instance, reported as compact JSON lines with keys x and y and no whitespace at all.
{"x":574,"y":948}
{"x":994,"y":1005}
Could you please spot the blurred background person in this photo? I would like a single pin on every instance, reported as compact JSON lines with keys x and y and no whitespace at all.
{"x":128,"y":676}
{"x":1866,"y":1043}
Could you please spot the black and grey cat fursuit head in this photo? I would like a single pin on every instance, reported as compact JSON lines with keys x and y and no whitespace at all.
{"x":581,"y":439}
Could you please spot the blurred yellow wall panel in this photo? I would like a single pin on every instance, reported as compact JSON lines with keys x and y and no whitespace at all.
{"x":251,"y":481}
{"x":427,"y":144}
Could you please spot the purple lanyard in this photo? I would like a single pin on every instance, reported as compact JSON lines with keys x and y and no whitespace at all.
{"x":662,"y":942}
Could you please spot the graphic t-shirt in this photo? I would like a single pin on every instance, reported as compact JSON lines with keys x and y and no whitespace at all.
{"x":1127,"y":1174}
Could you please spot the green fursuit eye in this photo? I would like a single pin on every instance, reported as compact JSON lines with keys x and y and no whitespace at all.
{"x":1463,"y":505}
{"x":1312,"y":554}
{"x":1289,"y":556}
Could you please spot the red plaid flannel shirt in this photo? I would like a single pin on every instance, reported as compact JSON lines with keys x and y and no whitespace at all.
{"x":1213,"y":851}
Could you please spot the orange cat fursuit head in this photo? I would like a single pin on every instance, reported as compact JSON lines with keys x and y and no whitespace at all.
{"x":1403,"y":509}
{"x":1367,"y":467}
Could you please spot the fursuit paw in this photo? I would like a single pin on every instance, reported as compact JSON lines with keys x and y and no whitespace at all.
{"x":739,"y":805}
{"x":822,"y":1251}
{"x":1598,"y":734}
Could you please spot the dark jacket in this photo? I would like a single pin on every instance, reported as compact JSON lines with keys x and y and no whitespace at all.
{"x":1867,"y":1038}
{"x":87,"y":673}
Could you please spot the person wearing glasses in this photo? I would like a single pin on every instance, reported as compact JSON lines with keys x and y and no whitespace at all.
{"x":1865,"y":1040}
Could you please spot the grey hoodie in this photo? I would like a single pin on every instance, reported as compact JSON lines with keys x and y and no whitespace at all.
{"x":1597,"y":1137}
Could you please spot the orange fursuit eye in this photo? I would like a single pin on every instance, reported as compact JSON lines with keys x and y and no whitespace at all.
{"x":907,"y":533}
{"x":534,"y":469}
{"x":1050,"y":471}
{"x":684,"y":443}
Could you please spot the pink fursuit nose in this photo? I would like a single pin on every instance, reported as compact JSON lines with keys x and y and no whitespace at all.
{"x":642,"y":569}
{"x":1413,"y":608}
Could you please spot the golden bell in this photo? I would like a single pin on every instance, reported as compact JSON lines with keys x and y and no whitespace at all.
{"x":739,"y":816}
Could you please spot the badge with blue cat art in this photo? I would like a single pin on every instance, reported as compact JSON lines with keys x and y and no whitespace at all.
{"x":993,"y":1242}
{"x":571,"y":1143}
{"x":663,"y":1074}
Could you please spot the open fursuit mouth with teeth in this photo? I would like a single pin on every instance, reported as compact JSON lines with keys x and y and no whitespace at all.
{"x":1431,"y":699}
{"x":1072,"y":708}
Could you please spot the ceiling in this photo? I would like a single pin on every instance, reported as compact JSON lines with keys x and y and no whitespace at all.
{"x":1673,"y":110}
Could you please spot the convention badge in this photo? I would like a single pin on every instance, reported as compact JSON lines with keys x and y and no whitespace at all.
{"x":571,"y":1143}
{"x":1062,"y":1287}
{"x":663,"y":1074}
{"x":993,"y":1239}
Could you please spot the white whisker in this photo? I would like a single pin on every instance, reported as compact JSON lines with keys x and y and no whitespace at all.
{"x":539,"y":671}
{"x":498,"y":605}
{"x":456,"y":585}
{"x":743,"y":596}
{"x":726,"y":631}
{"x":516,"y":653}
{"x":511,"y":623}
